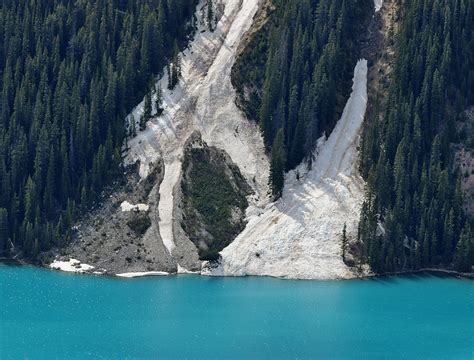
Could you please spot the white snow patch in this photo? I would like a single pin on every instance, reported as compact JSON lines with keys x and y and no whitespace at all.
{"x":126,"y":206}
{"x":72,"y":265}
{"x":299,"y":236}
{"x":143,"y":273}
{"x":204,"y":100}
{"x":378,"y":5}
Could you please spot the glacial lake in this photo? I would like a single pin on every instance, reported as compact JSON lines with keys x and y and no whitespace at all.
{"x":51,"y":315}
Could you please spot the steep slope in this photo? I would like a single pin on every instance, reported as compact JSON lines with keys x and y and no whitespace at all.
{"x":299,"y":236}
{"x":203,"y":101}
{"x":70,"y":73}
{"x":414,"y":186}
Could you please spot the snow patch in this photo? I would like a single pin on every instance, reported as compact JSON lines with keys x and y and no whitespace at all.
{"x":299,"y":236}
{"x":142,"y":274}
{"x":126,"y":206}
{"x":72,"y":265}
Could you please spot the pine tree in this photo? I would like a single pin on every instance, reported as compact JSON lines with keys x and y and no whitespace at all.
{"x":463,"y":259}
{"x":158,"y":99}
{"x":133,"y":126}
{"x":4,"y":231}
{"x":210,"y":15}
{"x":147,"y":110}
{"x":344,"y":242}
{"x":277,"y":165}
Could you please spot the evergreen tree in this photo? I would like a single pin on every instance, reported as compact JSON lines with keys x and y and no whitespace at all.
{"x":344,"y":242}
{"x":158,"y":100}
{"x":147,"y":110}
{"x":277,"y":165}
{"x":4,"y":231}
{"x":464,"y":260}
{"x":210,"y":15}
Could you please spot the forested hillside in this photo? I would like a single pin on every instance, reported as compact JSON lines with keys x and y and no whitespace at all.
{"x":294,"y":75}
{"x":413,"y":187}
{"x":70,"y":72}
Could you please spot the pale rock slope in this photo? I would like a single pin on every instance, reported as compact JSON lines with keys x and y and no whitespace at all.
{"x":299,"y":236}
{"x":204,"y":100}
{"x":378,"y":5}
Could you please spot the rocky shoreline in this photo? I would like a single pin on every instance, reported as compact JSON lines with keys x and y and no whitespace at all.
{"x":427,"y":271}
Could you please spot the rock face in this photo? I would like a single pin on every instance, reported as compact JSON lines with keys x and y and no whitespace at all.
{"x":213,"y":198}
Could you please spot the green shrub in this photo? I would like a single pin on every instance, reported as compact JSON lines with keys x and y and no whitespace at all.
{"x":139,"y":224}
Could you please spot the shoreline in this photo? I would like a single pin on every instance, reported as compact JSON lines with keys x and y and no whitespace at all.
{"x":133,"y":275}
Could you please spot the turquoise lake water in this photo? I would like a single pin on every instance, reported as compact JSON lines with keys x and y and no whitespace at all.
{"x":48,"y":315}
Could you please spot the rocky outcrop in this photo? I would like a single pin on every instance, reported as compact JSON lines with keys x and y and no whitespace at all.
{"x":114,"y":238}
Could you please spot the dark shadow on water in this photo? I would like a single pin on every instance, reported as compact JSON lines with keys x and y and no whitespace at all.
{"x":416,"y":276}
{"x":10,"y":262}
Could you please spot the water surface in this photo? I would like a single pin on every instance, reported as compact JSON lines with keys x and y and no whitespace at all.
{"x":45,"y":314}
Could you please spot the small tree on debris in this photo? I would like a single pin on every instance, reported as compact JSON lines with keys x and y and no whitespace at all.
{"x":344,"y":242}
{"x":158,"y":100}
{"x":277,"y":165}
{"x":146,"y":112}
{"x":210,"y":15}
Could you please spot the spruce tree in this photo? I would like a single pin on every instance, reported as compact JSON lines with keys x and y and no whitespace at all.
{"x":4,"y":231}
{"x":344,"y":241}
{"x":210,"y":15}
{"x":147,"y":110}
{"x":277,"y":165}
{"x":463,"y":259}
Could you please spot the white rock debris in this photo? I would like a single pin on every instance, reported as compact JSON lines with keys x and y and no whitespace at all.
{"x":182,"y":270}
{"x":72,"y":265}
{"x":378,"y":5}
{"x":172,"y":172}
{"x":126,"y":206}
{"x":299,"y":236}
{"x":203,"y":100}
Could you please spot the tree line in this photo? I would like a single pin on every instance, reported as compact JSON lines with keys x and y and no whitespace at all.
{"x":70,"y":72}
{"x":413,"y":213}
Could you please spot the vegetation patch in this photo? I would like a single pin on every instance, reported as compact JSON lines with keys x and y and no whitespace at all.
{"x":413,"y":216}
{"x":214,"y":200}
{"x":139,"y":223}
{"x":294,"y":75}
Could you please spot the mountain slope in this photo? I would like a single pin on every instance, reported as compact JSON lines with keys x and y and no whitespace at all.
{"x":299,"y":236}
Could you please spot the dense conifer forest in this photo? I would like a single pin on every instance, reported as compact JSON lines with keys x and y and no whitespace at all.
{"x":298,"y":69}
{"x":413,"y":185}
{"x":71,"y":70}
